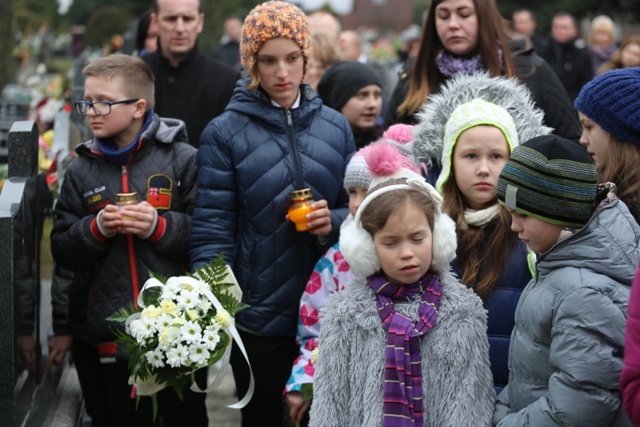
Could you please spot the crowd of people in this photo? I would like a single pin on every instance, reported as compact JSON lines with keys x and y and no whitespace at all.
{"x":475,"y":224}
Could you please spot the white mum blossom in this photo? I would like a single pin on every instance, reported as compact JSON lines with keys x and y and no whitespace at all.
{"x":187,"y":300}
{"x":142,"y":329}
{"x":223,"y":318}
{"x":191,"y":332}
{"x":150,"y":312}
{"x":183,"y":283}
{"x":199,"y":354}
{"x":178,"y":356}
{"x":211,"y":339}
{"x":204,"y":305}
{"x":155,"y":358}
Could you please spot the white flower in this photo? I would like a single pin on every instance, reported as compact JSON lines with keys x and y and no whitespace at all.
{"x":150,"y":312}
{"x":182,"y":282}
{"x":223,"y":318}
{"x":178,"y":356}
{"x":187,"y":300}
{"x":164,"y":321}
{"x":191,"y":332}
{"x":155,"y":358}
{"x":167,"y":306}
{"x":211,"y":338}
{"x":204,"y":305}
{"x":199,"y":354}
{"x":142,"y":329}
{"x":168,"y":338}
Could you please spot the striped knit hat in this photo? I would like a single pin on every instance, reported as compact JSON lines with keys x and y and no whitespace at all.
{"x":551,"y":179}
{"x":358,"y":174}
{"x":272,"y":20}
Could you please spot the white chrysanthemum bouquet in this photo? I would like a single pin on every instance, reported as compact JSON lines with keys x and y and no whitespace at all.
{"x":180,"y":325}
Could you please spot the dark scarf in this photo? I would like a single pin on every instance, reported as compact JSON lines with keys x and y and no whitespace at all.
{"x":403,"y":404}
{"x":120,"y":156}
{"x":451,"y":65}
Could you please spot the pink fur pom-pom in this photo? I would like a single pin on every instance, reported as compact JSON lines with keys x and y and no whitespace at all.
{"x":400,"y":133}
{"x":385,"y":159}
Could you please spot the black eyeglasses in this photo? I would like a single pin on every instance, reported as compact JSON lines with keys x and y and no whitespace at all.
{"x":100,"y":108}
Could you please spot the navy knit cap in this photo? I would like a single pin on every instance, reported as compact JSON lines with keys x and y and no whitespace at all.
{"x":343,"y":80}
{"x":550,"y":178}
{"x":612,"y":101}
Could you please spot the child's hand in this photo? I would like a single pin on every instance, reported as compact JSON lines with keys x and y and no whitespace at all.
{"x":320,"y":219}
{"x":297,"y":405}
{"x":138,"y":219}
{"x":110,"y":220}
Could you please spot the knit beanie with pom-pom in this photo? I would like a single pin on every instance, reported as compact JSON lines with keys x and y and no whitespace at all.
{"x":387,"y":163}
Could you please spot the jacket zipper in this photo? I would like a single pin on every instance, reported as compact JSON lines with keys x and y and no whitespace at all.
{"x":294,"y":150}
{"x":135,"y":285}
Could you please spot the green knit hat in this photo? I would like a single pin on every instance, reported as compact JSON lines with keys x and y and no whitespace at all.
{"x":473,"y":113}
{"x":551,"y":179}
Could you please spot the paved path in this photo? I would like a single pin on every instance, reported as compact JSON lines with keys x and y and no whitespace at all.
{"x":225,"y":394}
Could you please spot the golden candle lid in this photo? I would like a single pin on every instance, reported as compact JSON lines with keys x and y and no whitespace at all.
{"x":304,"y":193}
{"x":126,"y":197}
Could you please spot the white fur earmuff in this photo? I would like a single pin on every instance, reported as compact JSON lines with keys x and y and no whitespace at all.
{"x":358,"y":249}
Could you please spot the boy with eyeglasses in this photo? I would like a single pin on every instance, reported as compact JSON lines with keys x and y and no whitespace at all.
{"x":112,"y":249}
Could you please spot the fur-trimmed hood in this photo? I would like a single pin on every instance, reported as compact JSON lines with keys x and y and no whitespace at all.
{"x":508,"y":93}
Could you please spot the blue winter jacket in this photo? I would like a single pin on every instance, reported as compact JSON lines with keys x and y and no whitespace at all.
{"x":501,"y":306}
{"x":250,"y":159}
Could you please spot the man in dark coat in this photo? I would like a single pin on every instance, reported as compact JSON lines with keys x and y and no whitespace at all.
{"x":567,"y":55}
{"x":189,"y":85}
{"x":228,"y":50}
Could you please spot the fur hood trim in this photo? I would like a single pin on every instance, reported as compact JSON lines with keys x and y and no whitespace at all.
{"x":505,"y":92}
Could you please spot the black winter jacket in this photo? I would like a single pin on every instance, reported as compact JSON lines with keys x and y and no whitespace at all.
{"x":250,"y":159}
{"x":545,"y":87}
{"x":195,"y":91}
{"x":110,"y":271}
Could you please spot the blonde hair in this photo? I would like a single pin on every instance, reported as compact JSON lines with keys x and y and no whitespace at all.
{"x":324,"y":50}
{"x":602,"y":23}
{"x":133,"y":73}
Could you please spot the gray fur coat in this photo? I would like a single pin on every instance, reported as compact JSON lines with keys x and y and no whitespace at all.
{"x":348,"y":381}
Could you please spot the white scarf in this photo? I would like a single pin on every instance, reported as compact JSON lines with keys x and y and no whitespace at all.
{"x":481,"y":217}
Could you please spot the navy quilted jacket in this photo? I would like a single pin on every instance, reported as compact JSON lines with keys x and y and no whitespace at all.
{"x":501,"y":306}
{"x":250,"y":158}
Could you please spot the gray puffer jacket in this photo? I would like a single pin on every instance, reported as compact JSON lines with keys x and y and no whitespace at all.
{"x":349,"y":376}
{"x":566,"y":349}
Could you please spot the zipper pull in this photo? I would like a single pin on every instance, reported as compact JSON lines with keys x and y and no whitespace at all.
{"x":289,"y":120}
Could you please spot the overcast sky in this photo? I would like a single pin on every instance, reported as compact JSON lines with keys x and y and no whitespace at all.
{"x":63,"y":6}
{"x":340,"y":6}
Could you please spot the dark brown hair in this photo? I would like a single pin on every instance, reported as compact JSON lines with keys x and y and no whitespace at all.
{"x":481,"y":263}
{"x":377,"y":212}
{"x":424,"y":78}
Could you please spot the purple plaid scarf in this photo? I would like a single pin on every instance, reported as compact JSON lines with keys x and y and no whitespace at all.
{"x":403,"y":405}
{"x":451,"y":65}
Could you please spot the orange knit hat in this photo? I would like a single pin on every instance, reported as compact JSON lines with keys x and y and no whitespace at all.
{"x":270,"y":20}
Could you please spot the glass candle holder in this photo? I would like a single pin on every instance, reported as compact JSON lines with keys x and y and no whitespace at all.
{"x":126,"y":199}
{"x":301,"y":201}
